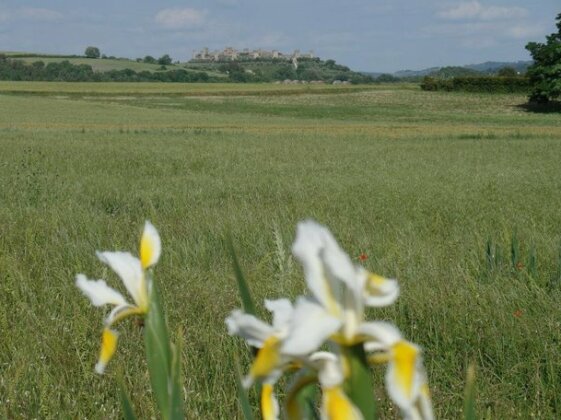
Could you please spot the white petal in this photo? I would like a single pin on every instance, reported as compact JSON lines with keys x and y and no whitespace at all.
{"x":99,"y":292}
{"x":424,"y":402}
{"x":150,"y":246}
{"x":311,"y":325}
{"x":128,"y":268}
{"x":308,"y":248}
{"x":282,"y":312}
{"x":253,"y":330}
{"x":381,"y":335}
{"x":339,"y":264}
{"x":330,"y":370}
{"x":377,"y":290}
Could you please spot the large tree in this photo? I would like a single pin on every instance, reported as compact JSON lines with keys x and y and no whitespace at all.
{"x":92,"y":52}
{"x":545,"y":73}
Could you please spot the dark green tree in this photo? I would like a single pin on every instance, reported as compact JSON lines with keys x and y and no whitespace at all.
{"x":545,"y":73}
{"x":507,"y":72}
{"x":92,"y":52}
{"x":164,"y":60}
{"x":149,"y":59}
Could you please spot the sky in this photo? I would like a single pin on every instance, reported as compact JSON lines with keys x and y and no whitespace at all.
{"x":374,"y":35}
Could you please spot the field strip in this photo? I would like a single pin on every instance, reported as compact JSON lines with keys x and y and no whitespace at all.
{"x":467,"y":132}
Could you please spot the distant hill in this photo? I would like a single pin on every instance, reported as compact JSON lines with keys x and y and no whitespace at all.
{"x":489,"y":67}
{"x":258,"y":70}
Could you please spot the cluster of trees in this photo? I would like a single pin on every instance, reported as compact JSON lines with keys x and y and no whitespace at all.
{"x":276,"y":70}
{"x":164,"y":60}
{"x":545,"y":73}
{"x":65,"y":71}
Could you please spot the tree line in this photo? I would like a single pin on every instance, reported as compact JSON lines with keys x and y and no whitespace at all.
{"x":11,"y":69}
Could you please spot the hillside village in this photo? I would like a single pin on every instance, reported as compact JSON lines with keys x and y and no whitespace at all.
{"x":232,"y":54}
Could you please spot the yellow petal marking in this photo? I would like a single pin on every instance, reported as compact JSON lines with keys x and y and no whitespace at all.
{"x":337,"y":406}
{"x":374,"y":283}
{"x":378,"y":358}
{"x":146,"y":251}
{"x":108,"y":347}
{"x":125,"y":313}
{"x":267,"y":359}
{"x":405,"y":360}
{"x":268,"y":403}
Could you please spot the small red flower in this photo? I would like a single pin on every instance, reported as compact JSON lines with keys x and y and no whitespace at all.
{"x":363,"y":257}
{"x":519,"y":266}
{"x":517,"y":313}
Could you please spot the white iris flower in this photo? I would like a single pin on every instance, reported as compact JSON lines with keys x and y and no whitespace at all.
{"x":340,"y":289}
{"x":132,"y":272}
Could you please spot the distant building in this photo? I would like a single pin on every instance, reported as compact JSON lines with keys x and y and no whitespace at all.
{"x":232,"y":54}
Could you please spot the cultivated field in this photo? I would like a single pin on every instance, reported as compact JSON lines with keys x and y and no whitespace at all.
{"x":422,"y":183}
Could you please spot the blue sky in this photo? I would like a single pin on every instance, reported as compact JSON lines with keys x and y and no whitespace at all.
{"x":375,"y":35}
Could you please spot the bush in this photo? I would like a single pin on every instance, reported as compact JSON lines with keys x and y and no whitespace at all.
{"x":478,"y":84}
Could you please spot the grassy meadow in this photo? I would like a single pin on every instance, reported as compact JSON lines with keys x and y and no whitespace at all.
{"x":423,"y":183}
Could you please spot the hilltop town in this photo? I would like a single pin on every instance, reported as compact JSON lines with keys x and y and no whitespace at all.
{"x":232,"y":54}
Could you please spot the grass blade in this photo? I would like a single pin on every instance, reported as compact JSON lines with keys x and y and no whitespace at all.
{"x":243,"y":398}
{"x":243,"y":288}
{"x":469,"y":402}
{"x":126,"y":405}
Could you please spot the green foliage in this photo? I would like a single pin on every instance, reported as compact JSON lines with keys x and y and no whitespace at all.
{"x":126,"y":404}
{"x":470,"y":396}
{"x":451,"y":72}
{"x":163,"y":361}
{"x":68,"y":72}
{"x":92,"y":52}
{"x":243,"y":288}
{"x":387,"y":78}
{"x":507,"y":72}
{"x":165,"y":60}
{"x":150,"y":60}
{"x":545,"y":73}
{"x":359,"y":386}
{"x":487,"y":84}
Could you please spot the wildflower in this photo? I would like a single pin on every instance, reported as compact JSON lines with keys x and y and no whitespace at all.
{"x":335,"y":403}
{"x":362,"y":257}
{"x":405,"y":378}
{"x":339,"y":288}
{"x":273,"y":354}
{"x":518,"y":313}
{"x":132,"y":272}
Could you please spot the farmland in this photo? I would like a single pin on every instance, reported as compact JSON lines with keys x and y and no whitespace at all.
{"x":423,"y":183}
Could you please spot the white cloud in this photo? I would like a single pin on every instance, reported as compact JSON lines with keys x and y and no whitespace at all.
{"x":524,"y":31}
{"x":39,"y":14}
{"x":476,"y":11}
{"x":180,"y":18}
{"x":479,"y":34}
{"x":35,"y":14}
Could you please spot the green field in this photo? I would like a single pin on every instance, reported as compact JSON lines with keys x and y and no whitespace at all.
{"x":419,"y":181}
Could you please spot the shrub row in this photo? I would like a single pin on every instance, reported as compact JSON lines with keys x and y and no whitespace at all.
{"x":67,"y":72}
{"x":478,"y":84}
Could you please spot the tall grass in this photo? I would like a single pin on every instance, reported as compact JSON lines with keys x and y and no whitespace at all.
{"x":403,"y":186}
